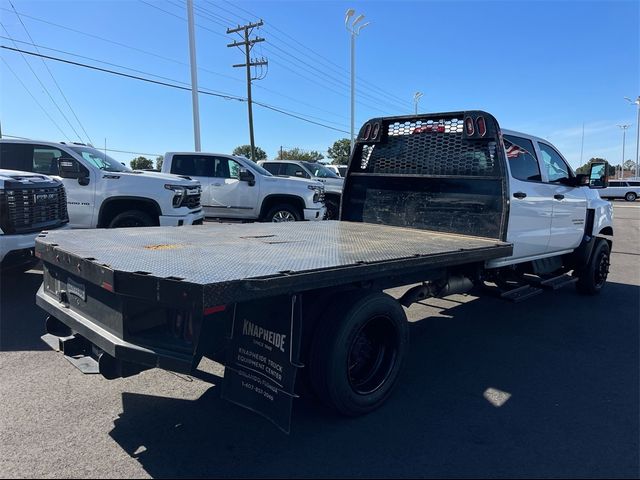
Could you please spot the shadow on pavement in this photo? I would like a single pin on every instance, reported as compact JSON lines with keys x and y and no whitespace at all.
{"x":569,"y":364}
{"x":21,"y":320}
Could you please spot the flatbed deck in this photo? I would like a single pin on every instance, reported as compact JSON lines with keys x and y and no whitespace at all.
{"x":233,"y":262}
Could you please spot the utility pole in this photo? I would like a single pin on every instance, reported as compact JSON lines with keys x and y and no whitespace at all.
{"x":194,"y":75}
{"x":636,"y":102}
{"x":245,"y":31}
{"x":416,"y":99}
{"x":354,"y":31}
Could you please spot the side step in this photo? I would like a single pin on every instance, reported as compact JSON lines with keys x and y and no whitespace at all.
{"x":558,"y":282}
{"x":521,"y":294}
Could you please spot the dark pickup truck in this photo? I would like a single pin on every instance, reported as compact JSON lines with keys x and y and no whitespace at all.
{"x":426,"y":202}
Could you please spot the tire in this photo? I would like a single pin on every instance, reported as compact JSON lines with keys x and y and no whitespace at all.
{"x":357,"y":353}
{"x":333,"y":210}
{"x":630,"y":197}
{"x":592,"y":278}
{"x":131,"y":218}
{"x":283,"y":213}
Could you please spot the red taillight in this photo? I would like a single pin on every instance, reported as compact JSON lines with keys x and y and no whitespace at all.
{"x":482,"y":126}
{"x":468,"y":125}
{"x":107,"y":286}
{"x":376,"y":130}
{"x":216,"y":309}
{"x":441,"y":128}
{"x":367,"y":131}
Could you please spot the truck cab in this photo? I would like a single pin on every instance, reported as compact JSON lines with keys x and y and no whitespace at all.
{"x":102,"y":192}
{"x":549,"y":211}
{"x":237,"y":188}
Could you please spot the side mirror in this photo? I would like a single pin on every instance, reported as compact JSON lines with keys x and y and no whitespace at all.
{"x":582,"y":180}
{"x":246,"y":176}
{"x":598,"y":176}
{"x":68,"y":167}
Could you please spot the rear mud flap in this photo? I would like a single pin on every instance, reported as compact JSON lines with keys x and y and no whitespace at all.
{"x":263,"y":357}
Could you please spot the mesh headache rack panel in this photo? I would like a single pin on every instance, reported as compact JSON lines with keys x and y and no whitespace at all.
{"x":443,"y":172}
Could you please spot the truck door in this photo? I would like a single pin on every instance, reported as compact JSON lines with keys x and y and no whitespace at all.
{"x":530,"y":203}
{"x":569,"y":203}
{"x":239,"y":198}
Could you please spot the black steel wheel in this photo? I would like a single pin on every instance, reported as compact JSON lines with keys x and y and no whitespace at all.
{"x":358,"y":351}
{"x":592,"y":278}
{"x":131,"y":218}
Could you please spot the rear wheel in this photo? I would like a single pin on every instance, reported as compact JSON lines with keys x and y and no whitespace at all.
{"x":593,"y":276}
{"x":630,"y":197}
{"x":131,"y":218}
{"x":357,"y":353}
{"x":283,"y":213}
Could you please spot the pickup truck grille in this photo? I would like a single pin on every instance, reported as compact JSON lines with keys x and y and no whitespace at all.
{"x":26,"y":210}
{"x":191,"y":201}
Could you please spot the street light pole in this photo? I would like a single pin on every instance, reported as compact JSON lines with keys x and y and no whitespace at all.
{"x":624,"y":133}
{"x":194,"y":75}
{"x":637,"y":103}
{"x":416,"y":99}
{"x":354,"y":29}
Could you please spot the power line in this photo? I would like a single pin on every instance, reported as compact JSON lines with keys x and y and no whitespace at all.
{"x":153,"y":54}
{"x":34,"y":99}
{"x":171,"y":85}
{"x":326,"y":60}
{"x":174,"y":80}
{"x":42,"y":85}
{"x":51,"y":74}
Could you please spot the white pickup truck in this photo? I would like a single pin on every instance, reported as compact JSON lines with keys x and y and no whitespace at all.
{"x":237,"y":188}
{"x":102,"y":192}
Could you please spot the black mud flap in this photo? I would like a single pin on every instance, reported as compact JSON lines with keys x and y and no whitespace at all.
{"x":262,"y":359}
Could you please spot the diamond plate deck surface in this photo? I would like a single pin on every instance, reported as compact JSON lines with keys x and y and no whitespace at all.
{"x":215,"y":253}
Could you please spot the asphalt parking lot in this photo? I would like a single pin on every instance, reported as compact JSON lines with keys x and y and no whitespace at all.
{"x":548,"y":387}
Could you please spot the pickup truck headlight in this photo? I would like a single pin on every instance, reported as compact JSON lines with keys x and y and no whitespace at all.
{"x":179,"y":192}
{"x":319,"y":195}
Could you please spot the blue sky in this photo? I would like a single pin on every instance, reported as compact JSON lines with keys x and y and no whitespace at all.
{"x":540,"y":67}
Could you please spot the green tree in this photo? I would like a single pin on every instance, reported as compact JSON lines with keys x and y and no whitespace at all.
{"x":299,"y":154}
{"x":141,"y":163}
{"x":340,"y":151}
{"x":584,"y":169}
{"x":159,"y":161}
{"x":245,"y":151}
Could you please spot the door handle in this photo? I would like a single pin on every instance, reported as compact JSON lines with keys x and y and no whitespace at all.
{"x":558,"y":196}
{"x":520,"y":195}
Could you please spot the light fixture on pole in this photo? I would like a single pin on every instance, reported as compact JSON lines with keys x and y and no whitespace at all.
{"x":354,"y":29}
{"x":637,"y":103}
{"x":416,"y":99}
{"x":624,"y":133}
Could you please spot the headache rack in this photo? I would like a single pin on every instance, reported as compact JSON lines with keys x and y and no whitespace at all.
{"x":443,"y":172}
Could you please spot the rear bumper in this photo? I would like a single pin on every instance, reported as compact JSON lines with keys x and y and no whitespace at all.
{"x":314,"y":213}
{"x":193,"y":218}
{"x":102,"y":341}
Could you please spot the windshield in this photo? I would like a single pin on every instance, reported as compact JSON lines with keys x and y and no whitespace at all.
{"x":100,"y":159}
{"x":318,"y":170}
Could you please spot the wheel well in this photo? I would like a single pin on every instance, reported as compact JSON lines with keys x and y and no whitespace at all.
{"x":272,"y":200}
{"x":606,"y":231}
{"x":112,"y":207}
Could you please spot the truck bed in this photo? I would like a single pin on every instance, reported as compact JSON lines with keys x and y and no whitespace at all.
{"x":236,"y":262}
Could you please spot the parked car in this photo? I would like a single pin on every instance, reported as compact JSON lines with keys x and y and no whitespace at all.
{"x":102,"y":192}
{"x":314,"y":171}
{"x":237,"y":188}
{"x":29,"y":203}
{"x":627,"y":189}
{"x":342,"y":170}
